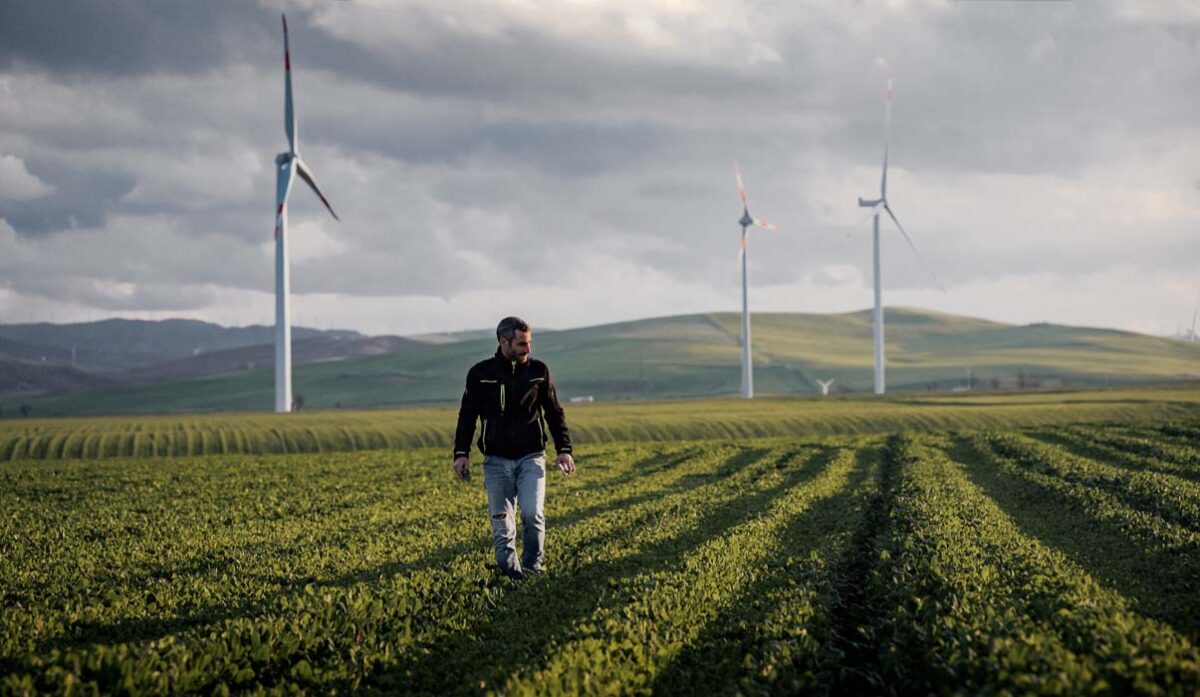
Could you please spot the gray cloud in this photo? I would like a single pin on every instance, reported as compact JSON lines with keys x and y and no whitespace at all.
{"x":128,"y":37}
{"x":461,"y":143}
{"x":79,"y":198}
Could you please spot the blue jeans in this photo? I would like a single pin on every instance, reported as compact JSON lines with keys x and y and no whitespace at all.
{"x":511,"y":484}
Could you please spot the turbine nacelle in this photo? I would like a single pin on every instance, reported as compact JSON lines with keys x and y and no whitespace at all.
{"x":745,"y":220}
{"x":864,"y":203}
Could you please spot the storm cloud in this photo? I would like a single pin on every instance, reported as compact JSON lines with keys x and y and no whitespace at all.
{"x":576,"y":160}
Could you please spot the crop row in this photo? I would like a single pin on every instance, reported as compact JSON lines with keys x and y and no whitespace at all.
{"x":1173,"y":498}
{"x":140,"y":561}
{"x":970,"y":602}
{"x":338,"y":431}
{"x":655,"y":631}
{"x":986,"y":562}
{"x":289,"y":601}
{"x":1135,"y":449}
{"x":1146,"y":557}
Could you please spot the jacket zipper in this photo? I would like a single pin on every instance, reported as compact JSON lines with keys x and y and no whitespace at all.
{"x":514,"y":372}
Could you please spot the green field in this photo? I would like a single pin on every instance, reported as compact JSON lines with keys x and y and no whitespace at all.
{"x":334,"y":431}
{"x":693,"y":356}
{"x":1046,"y":544}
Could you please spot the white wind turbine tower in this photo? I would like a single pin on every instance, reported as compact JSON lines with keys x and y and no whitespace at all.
{"x":746,"y":221}
{"x":287,"y":164}
{"x":877,"y":205}
{"x":1194,"y":313}
{"x":825,"y":385}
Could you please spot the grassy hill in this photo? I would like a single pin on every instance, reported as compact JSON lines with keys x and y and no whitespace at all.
{"x":116,"y":345}
{"x":698,"y":356}
{"x":313,"y":349}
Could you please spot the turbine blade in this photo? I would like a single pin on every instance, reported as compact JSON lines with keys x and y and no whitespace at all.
{"x":936,"y":280}
{"x":307,"y":175}
{"x":289,"y":113}
{"x":741,"y":187}
{"x":742,"y":247}
{"x":887,"y":129}
{"x":765,"y":224}
{"x":283,"y":185}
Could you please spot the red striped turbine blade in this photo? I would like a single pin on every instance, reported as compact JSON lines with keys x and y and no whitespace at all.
{"x":289,"y":113}
{"x":307,"y":176}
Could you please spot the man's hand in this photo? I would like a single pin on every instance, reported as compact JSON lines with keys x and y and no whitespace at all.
{"x":566,"y":463}
{"x":462,"y":468}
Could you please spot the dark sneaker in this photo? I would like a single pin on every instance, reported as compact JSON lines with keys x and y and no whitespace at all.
{"x":515,"y":575}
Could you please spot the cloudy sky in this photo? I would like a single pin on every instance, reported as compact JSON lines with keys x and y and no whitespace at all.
{"x":572,"y":161}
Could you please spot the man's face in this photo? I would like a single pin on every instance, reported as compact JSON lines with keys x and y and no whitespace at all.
{"x":519,"y":347}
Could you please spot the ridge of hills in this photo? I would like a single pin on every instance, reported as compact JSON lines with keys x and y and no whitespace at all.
{"x":116,"y":345}
{"x":659,"y":358}
{"x":44,"y":357}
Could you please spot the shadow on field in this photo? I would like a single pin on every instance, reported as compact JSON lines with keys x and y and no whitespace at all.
{"x":543,"y":613}
{"x":803,"y":656}
{"x":1072,"y":445}
{"x":855,"y":613}
{"x":83,"y":633}
{"x":1156,"y":583}
{"x":483,"y":545}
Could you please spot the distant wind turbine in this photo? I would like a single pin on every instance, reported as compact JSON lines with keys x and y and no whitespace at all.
{"x":287,"y":164}
{"x":876,"y":206}
{"x":746,"y":221}
{"x":825,"y":385}
{"x":1194,"y":313}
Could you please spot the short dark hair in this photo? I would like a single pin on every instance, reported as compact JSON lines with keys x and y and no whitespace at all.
{"x":510,"y":326}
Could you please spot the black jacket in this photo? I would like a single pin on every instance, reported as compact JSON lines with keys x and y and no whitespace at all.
{"x":511,"y":400}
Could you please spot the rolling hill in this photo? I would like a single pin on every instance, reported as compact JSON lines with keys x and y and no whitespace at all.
{"x":312,"y":349}
{"x":695,"y":356}
{"x":116,"y":345}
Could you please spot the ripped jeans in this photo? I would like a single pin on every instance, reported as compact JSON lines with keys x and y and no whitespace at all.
{"x":511,"y":484}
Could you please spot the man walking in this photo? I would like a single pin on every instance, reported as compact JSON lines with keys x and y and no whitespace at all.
{"x":511,"y":394}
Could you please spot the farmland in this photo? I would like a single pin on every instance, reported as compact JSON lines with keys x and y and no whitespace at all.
{"x":336,"y":430}
{"x":996,"y":545}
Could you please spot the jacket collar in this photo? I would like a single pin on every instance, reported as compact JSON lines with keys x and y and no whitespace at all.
{"x":508,"y":365}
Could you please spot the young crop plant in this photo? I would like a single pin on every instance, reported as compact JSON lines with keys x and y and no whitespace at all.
{"x":338,"y":431}
{"x":1117,"y":542}
{"x":1132,"y":449}
{"x":616,"y":546}
{"x":1060,"y":557}
{"x":1174,"y":499}
{"x":974,"y":604}
{"x":651,"y":634}
{"x":282,"y":594}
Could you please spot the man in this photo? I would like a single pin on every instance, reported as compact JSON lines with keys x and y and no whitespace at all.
{"x":511,"y":394}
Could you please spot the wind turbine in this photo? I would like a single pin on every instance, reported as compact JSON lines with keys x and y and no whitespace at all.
{"x":746,"y":221}
{"x":287,"y":165}
{"x":825,"y":385}
{"x":1194,"y":313}
{"x":877,"y":205}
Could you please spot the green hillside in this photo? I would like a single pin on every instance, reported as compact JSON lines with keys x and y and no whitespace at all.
{"x":698,"y":355}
